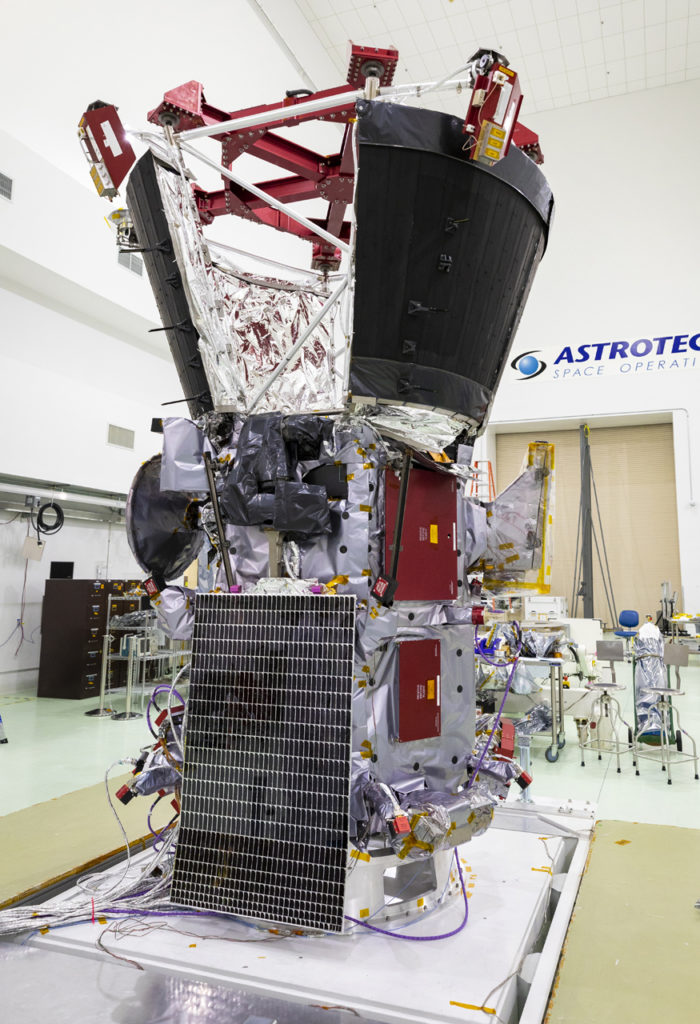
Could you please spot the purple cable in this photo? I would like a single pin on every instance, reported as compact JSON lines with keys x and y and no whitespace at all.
{"x":487,"y":743}
{"x":423,"y":938}
{"x":156,"y":835}
{"x":162,"y":688}
{"x":159,"y":913}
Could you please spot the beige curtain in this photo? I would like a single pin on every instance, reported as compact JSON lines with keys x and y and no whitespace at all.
{"x":634,"y":474}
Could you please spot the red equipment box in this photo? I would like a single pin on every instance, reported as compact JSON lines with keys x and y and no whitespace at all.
{"x":419,"y":690}
{"x":106,"y":147}
{"x":428,"y":560}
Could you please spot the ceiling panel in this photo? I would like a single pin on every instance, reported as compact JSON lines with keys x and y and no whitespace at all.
{"x":566,"y":51}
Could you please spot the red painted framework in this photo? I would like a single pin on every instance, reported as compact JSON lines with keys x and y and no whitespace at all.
{"x":312,"y":175}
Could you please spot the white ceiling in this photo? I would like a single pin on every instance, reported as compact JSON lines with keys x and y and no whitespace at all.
{"x":57,"y":58}
{"x":566,"y":51}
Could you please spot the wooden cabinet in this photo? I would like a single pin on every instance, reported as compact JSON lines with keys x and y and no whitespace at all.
{"x":73,"y":624}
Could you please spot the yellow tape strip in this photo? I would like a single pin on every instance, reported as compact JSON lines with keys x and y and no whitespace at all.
{"x":473,"y":1006}
{"x":337,"y":580}
{"x":360,"y":855}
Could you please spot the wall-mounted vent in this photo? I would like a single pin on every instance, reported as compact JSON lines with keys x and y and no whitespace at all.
{"x":132,"y":262}
{"x":5,"y":186}
{"x":120,"y":436}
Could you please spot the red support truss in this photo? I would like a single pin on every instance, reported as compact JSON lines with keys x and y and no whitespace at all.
{"x":311,"y":175}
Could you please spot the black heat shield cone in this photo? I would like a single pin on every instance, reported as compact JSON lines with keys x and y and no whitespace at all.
{"x":446,"y":253}
{"x":153,"y":233}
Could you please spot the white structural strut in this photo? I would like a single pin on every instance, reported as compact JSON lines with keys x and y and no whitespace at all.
{"x":284,"y":363}
{"x":451,"y":81}
{"x":392,"y":92}
{"x":274,"y":114}
{"x":282,"y":113}
{"x":270,"y":200}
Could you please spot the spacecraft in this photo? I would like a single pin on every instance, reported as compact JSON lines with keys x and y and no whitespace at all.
{"x":323,"y":481}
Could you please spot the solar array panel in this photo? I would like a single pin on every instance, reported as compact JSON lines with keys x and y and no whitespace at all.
{"x":264,"y":824}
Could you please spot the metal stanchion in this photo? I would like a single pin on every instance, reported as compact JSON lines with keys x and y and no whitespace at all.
{"x":524,"y":759}
{"x":128,"y":713}
{"x":102,"y":711}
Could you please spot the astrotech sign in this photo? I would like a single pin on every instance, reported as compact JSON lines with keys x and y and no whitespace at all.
{"x":645,"y":355}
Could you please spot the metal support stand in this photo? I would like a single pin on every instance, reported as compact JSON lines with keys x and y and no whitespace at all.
{"x":223,"y":550}
{"x":605,"y":709}
{"x":102,"y":711}
{"x":524,"y":761}
{"x":128,"y":713}
{"x":587,"y":536}
{"x":586,"y":590}
{"x":275,"y":557}
{"x":666,"y":737}
{"x":556,"y":689}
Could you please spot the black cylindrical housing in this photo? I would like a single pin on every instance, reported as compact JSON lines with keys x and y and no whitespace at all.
{"x":446,"y":253}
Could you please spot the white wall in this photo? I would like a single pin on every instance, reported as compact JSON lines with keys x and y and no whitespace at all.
{"x":59,"y":58}
{"x":93,"y":547}
{"x":55,"y":227}
{"x":62,"y":383}
{"x":621,"y":264}
{"x":75,"y":356}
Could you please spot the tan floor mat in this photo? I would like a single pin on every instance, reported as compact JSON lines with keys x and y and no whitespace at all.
{"x":632,"y":953}
{"x":44,"y":843}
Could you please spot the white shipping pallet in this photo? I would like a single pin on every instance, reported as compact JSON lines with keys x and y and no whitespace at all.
{"x":508,"y":874}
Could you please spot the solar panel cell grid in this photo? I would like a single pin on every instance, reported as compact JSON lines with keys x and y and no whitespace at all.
{"x":265,"y":796}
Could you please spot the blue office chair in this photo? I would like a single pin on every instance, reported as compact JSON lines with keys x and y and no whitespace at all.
{"x":629,"y":620}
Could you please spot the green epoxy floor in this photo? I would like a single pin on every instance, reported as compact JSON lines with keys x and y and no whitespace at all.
{"x":632,"y":954}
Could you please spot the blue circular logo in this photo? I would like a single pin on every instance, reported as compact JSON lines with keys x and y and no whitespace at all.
{"x":528,"y":365}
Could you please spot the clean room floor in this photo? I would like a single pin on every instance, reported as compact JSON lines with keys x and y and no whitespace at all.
{"x":626,"y":797}
{"x":54,"y":749}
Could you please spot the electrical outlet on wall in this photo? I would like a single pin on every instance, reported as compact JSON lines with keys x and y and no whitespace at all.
{"x":33,"y":548}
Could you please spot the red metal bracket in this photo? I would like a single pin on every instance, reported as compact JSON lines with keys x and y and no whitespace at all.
{"x":490,"y":123}
{"x":106,"y":147}
{"x":529,"y":141}
{"x":371,"y":60}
